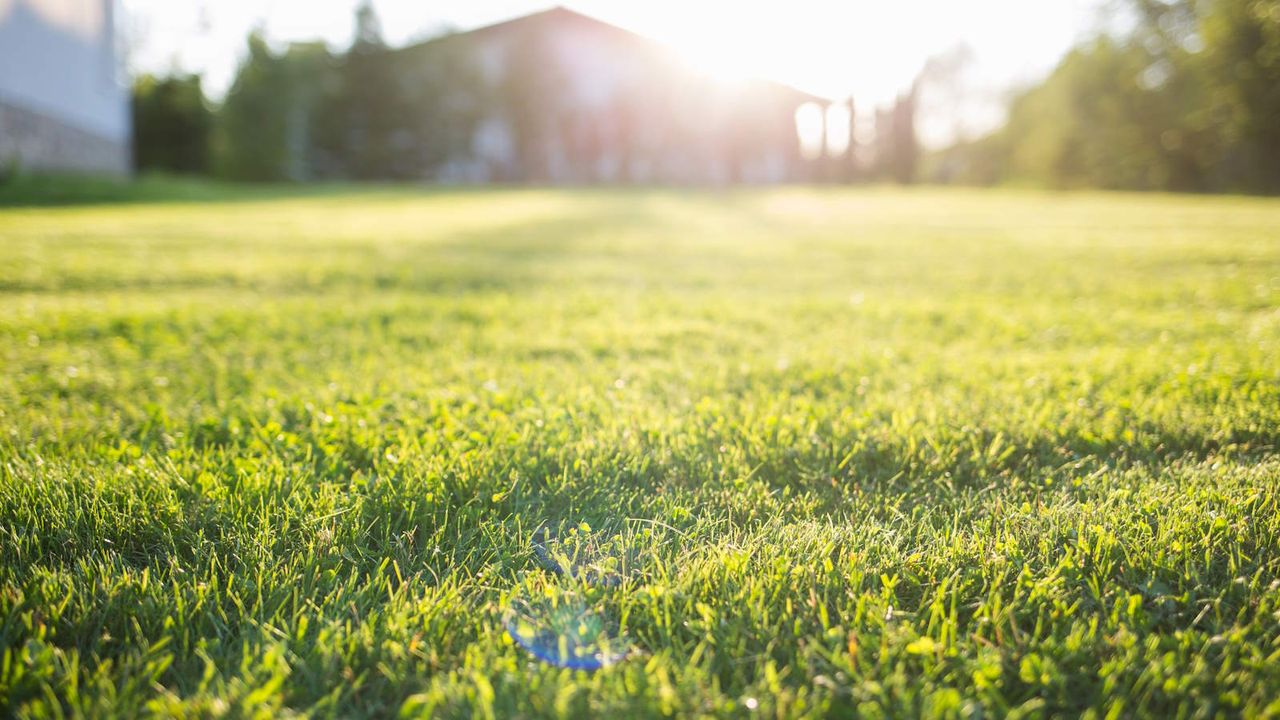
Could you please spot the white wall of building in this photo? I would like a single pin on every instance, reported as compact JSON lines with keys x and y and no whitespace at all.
{"x":60,"y":58}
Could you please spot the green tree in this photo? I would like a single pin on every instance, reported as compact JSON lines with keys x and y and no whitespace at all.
{"x":365,"y":115}
{"x":171,"y":124}
{"x":251,"y":137}
{"x":266,"y":127}
{"x":1241,"y":41}
{"x":1091,"y":123}
{"x":1187,"y":99}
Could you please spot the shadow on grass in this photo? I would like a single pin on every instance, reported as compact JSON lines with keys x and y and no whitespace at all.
{"x":52,"y":190}
{"x":35,"y":191}
{"x":506,"y":257}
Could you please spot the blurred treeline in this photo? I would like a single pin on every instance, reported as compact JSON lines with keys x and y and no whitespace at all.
{"x":1187,"y":99}
{"x":306,"y":113}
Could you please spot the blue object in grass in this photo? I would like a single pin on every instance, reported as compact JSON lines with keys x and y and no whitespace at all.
{"x":559,"y":629}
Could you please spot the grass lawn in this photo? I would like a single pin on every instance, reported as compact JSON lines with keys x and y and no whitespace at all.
{"x":821,"y":452}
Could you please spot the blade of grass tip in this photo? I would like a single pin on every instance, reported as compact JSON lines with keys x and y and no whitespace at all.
{"x":659,"y":523}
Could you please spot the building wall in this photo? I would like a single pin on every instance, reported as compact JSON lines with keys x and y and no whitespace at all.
{"x":597,"y":107}
{"x":39,"y":142}
{"x":64,"y":100}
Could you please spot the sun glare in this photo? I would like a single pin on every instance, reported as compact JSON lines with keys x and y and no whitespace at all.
{"x":717,"y":58}
{"x":809,"y":128}
{"x":837,"y":129}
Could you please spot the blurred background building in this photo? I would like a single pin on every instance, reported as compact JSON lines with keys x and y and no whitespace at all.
{"x":577,"y":100}
{"x":1157,"y":95}
{"x":64,"y":97}
{"x":552,"y":97}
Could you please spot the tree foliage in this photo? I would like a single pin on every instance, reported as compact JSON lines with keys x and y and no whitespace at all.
{"x":368,"y":113}
{"x":172,"y":124}
{"x":1188,"y":99}
{"x":254,"y":140}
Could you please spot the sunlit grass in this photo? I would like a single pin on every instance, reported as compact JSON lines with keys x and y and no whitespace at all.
{"x":874,"y":451}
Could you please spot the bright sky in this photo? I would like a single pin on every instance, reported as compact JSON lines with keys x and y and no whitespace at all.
{"x":832,"y":48}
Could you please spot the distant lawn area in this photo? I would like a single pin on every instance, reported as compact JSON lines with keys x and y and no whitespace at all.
{"x":819,"y":452}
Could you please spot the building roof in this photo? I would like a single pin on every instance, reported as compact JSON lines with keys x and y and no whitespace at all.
{"x":562,"y":16}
